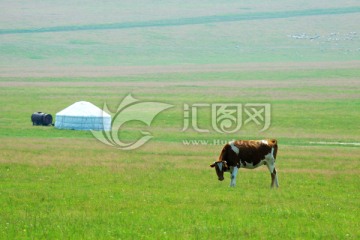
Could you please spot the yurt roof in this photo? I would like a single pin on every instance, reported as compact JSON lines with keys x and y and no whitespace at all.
{"x":83,"y":108}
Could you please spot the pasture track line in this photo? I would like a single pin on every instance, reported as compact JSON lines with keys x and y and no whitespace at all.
{"x":187,"y":21}
{"x":337,"y":143}
{"x":111,"y":71}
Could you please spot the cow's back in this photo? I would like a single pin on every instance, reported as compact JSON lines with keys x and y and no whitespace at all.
{"x":253,"y":151}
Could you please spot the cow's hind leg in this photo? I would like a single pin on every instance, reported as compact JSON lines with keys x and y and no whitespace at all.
{"x":274,"y":178}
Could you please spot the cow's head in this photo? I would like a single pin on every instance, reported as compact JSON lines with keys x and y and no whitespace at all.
{"x":220,"y":168}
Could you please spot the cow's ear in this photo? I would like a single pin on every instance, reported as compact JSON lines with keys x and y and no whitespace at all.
{"x":212,"y":165}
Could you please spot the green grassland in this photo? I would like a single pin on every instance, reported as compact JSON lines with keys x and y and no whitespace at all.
{"x":58,"y":184}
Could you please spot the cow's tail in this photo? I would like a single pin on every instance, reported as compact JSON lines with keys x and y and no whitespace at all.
{"x":273,"y":143}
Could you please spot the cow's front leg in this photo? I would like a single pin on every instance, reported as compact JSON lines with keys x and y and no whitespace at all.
{"x":233,"y":172}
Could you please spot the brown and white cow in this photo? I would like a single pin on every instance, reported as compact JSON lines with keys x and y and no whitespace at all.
{"x":247,"y":154}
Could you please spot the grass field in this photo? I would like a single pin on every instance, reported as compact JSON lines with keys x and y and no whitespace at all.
{"x":65,"y":184}
{"x":301,"y":58}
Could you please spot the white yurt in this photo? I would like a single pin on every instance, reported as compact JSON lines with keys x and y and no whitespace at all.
{"x":83,"y":116}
